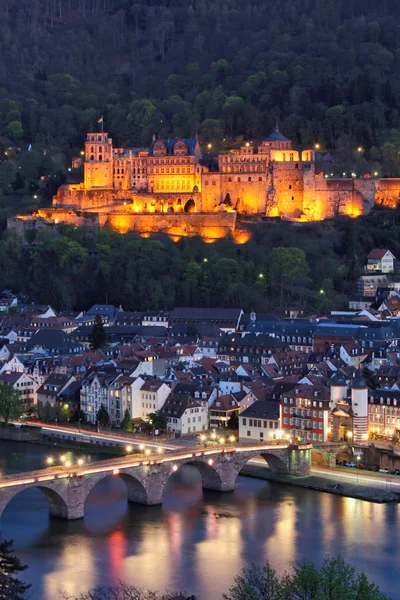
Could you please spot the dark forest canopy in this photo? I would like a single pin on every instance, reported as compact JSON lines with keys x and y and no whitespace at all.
{"x":327,"y":70}
{"x":311,"y":265}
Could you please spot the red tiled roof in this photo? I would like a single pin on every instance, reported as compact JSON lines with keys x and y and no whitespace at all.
{"x":377,"y":253}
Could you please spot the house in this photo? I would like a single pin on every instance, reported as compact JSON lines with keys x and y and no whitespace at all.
{"x":260,"y":422}
{"x":247,"y":348}
{"x":53,"y":341}
{"x":222,"y":409}
{"x":49,"y":392}
{"x":305,"y":413}
{"x":185,"y":415}
{"x":367,"y":285}
{"x":23,"y":383}
{"x":360,"y":302}
{"x":108,"y":312}
{"x":7,"y":303}
{"x":150,"y":398}
{"x":227,"y":319}
{"x":14,"y":364}
{"x":380,"y":260}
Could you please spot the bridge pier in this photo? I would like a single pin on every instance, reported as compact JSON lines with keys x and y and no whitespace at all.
{"x":299,"y":461}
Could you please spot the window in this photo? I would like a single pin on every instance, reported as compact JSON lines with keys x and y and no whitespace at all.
{"x":248,"y":434}
{"x":244,"y":421}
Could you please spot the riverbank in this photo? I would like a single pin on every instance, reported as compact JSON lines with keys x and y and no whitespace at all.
{"x":322,"y":484}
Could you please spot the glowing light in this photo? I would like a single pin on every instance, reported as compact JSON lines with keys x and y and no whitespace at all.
{"x":129,"y":448}
{"x":261,"y":276}
{"x":213,"y":435}
{"x":50,"y":460}
{"x":365,"y":436}
{"x":159,"y":450}
{"x":317,"y":146}
{"x":232,"y":439}
{"x":63,"y":458}
{"x":360,"y":149}
{"x":67,"y":464}
{"x":82,"y":153}
{"x":375,"y":173}
{"x":205,"y":260}
{"x":174,"y":468}
{"x":247,"y":144}
{"x":147,"y":451}
{"x":115,"y":471}
{"x":350,"y":434}
{"x":209,"y":146}
{"x":222,"y":440}
{"x":141,"y":447}
{"x":203,"y":437}
{"x":80,"y":462}
{"x":210,"y":461}
{"x":35,"y":197}
{"x":322,"y":291}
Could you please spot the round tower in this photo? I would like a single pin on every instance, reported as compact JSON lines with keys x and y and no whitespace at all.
{"x":359,"y":404}
{"x":338,"y":387}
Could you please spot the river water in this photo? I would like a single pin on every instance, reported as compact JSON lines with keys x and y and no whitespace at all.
{"x":196,"y":541}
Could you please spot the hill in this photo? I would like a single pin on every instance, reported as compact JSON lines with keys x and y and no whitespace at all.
{"x":327,"y":70}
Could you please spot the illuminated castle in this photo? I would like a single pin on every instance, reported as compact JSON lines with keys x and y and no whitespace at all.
{"x":168,"y":187}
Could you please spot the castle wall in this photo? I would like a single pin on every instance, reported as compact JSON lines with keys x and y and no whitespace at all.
{"x":388,"y":193}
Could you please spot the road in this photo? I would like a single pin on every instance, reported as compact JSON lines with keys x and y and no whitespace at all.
{"x":355,"y":476}
{"x":93,"y":436}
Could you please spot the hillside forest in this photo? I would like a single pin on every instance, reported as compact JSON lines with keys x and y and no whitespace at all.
{"x":328,"y":71}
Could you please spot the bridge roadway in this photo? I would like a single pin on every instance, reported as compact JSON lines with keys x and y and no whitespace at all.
{"x":67,"y":487}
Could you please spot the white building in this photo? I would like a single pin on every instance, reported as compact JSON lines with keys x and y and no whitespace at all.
{"x":260,"y":422}
{"x":380,"y":260}
{"x":185,"y":415}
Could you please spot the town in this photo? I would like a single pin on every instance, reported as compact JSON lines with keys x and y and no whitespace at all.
{"x":306,"y":378}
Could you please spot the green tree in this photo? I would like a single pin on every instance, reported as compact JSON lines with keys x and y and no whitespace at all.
{"x":126,"y":424}
{"x":103,"y":418}
{"x":287,"y":266}
{"x":11,"y":405}
{"x":98,"y":339}
{"x":157,"y":420}
{"x":11,"y":588}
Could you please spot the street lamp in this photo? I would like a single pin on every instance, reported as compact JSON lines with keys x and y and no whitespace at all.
{"x":80,"y":462}
{"x":232,"y":439}
{"x":222,"y":440}
{"x":50,"y":460}
{"x":63,"y":458}
{"x":213,"y":435}
{"x":141,"y":447}
{"x":203,"y":437}
{"x":129,"y":448}
{"x":349,"y":435}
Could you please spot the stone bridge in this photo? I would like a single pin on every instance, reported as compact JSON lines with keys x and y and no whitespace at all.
{"x":327,"y":453}
{"x":67,"y":488}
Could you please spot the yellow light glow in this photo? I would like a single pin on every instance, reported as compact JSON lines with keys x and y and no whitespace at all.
{"x":232,"y":439}
{"x":147,"y":451}
{"x":203,"y":437}
{"x":222,"y":440}
{"x":50,"y":460}
{"x":213,"y":435}
{"x":67,"y":463}
{"x":80,"y":462}
{"x":350,"y":434}
{"x":159,"y":450}
{"x":210,"y":461}
{"x":129,"y":448}
{"x":141,"y":447}
{"x":317,"y":146}
{"x":174,"y":468}
{"x":63,"y":458}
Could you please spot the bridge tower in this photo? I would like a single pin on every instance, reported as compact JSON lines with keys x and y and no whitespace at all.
{"x":359,"y":403}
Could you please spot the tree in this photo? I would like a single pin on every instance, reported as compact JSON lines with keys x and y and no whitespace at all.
{"x":126,"y":424}
{"x":335,"y":580}
{"x":11,"y":405}
{"x":124,"y":591}
{"x":11,"y":588}
{"x":157,"y":420}
{"x":103,"y":418}
{"x":98,"y":338}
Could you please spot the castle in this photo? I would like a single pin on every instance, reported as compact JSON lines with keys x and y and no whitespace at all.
{"x":172,"y":187}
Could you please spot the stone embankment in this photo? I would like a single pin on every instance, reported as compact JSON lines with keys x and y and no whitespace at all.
{"x":322,"y":484}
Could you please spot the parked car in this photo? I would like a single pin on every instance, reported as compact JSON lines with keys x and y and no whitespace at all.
{"x":361,"y":466}
{"x":384,"y":471}
{"x":341,"y":463}
{"x":373,"y":468}
{"x":351,"y":464}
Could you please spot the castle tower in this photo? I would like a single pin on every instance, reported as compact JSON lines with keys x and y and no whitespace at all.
{"x":98,"y":166}
{"x":359,"y":402}
{"x":338,"y":391}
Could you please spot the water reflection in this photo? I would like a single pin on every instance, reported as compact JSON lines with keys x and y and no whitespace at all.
{"x":195,"y":541}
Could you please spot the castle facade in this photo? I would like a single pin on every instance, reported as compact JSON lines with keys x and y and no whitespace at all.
{"x":171,"y":186}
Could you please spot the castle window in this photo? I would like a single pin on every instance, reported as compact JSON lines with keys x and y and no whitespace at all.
{"x":292,"y":156}
{"x":229,"y":179}
{"x":92,"y":149}
{"x":100,"y":157}
{"x":214,"y":182}
{"x":296,"y":165}
{"x":290,"y":187}
{"x":284,"y":156}
{"x":249,"y":179}
{"x":92,"y":157}
{"x":118,"y":171}
{"x":238,"y":178}
{"x":292,"y":197}
{"x":260,"y":179}
{"x":206,"y":182}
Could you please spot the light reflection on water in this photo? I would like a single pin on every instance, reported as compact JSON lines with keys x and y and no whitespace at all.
{"x":195,"y":541}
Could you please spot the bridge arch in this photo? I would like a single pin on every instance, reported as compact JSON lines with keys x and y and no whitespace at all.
{"x":210,"y":478}
{"x":136,"y":491}
{"x":58,"y":504}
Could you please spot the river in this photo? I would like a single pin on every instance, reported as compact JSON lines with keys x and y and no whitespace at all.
{"x":196,"y":541}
